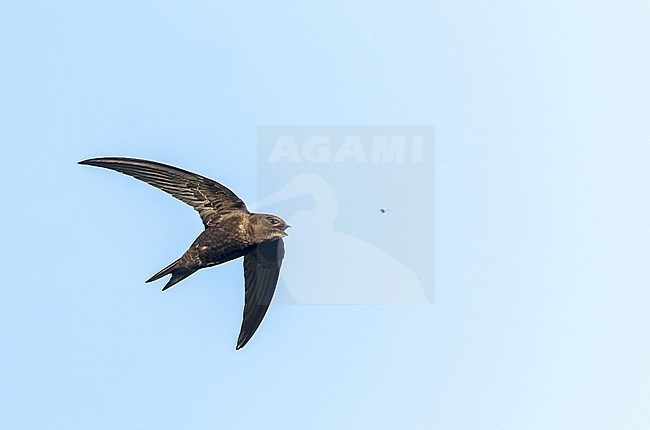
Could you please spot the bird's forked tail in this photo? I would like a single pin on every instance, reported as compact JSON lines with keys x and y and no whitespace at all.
{"x":177,"y":271}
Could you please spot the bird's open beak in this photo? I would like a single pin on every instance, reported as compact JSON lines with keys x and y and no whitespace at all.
{"x":284,"y":228}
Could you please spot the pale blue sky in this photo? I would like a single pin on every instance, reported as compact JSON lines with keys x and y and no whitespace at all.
{"x":542,"y":306}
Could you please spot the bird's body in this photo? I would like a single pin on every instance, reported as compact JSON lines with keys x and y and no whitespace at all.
{"x":231,"y":231}
{"x":216,"y":245}
{"x":229,"y":240}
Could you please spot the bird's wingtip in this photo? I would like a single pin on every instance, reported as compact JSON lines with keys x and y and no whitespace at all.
{"x":90,"y":161}
{"x":241,"y":342}
{"x":99,"y":161}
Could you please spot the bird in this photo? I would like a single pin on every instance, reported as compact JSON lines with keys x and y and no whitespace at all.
{"x":230,"y":231}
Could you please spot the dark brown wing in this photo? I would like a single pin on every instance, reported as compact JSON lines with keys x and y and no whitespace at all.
{"x":211,"y":199}
{"x":261,"y":271}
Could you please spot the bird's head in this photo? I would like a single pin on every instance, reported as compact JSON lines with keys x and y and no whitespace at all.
{"x":268,"y":227}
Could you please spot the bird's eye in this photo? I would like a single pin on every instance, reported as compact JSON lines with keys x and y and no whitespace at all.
{"x":273,"y":221}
